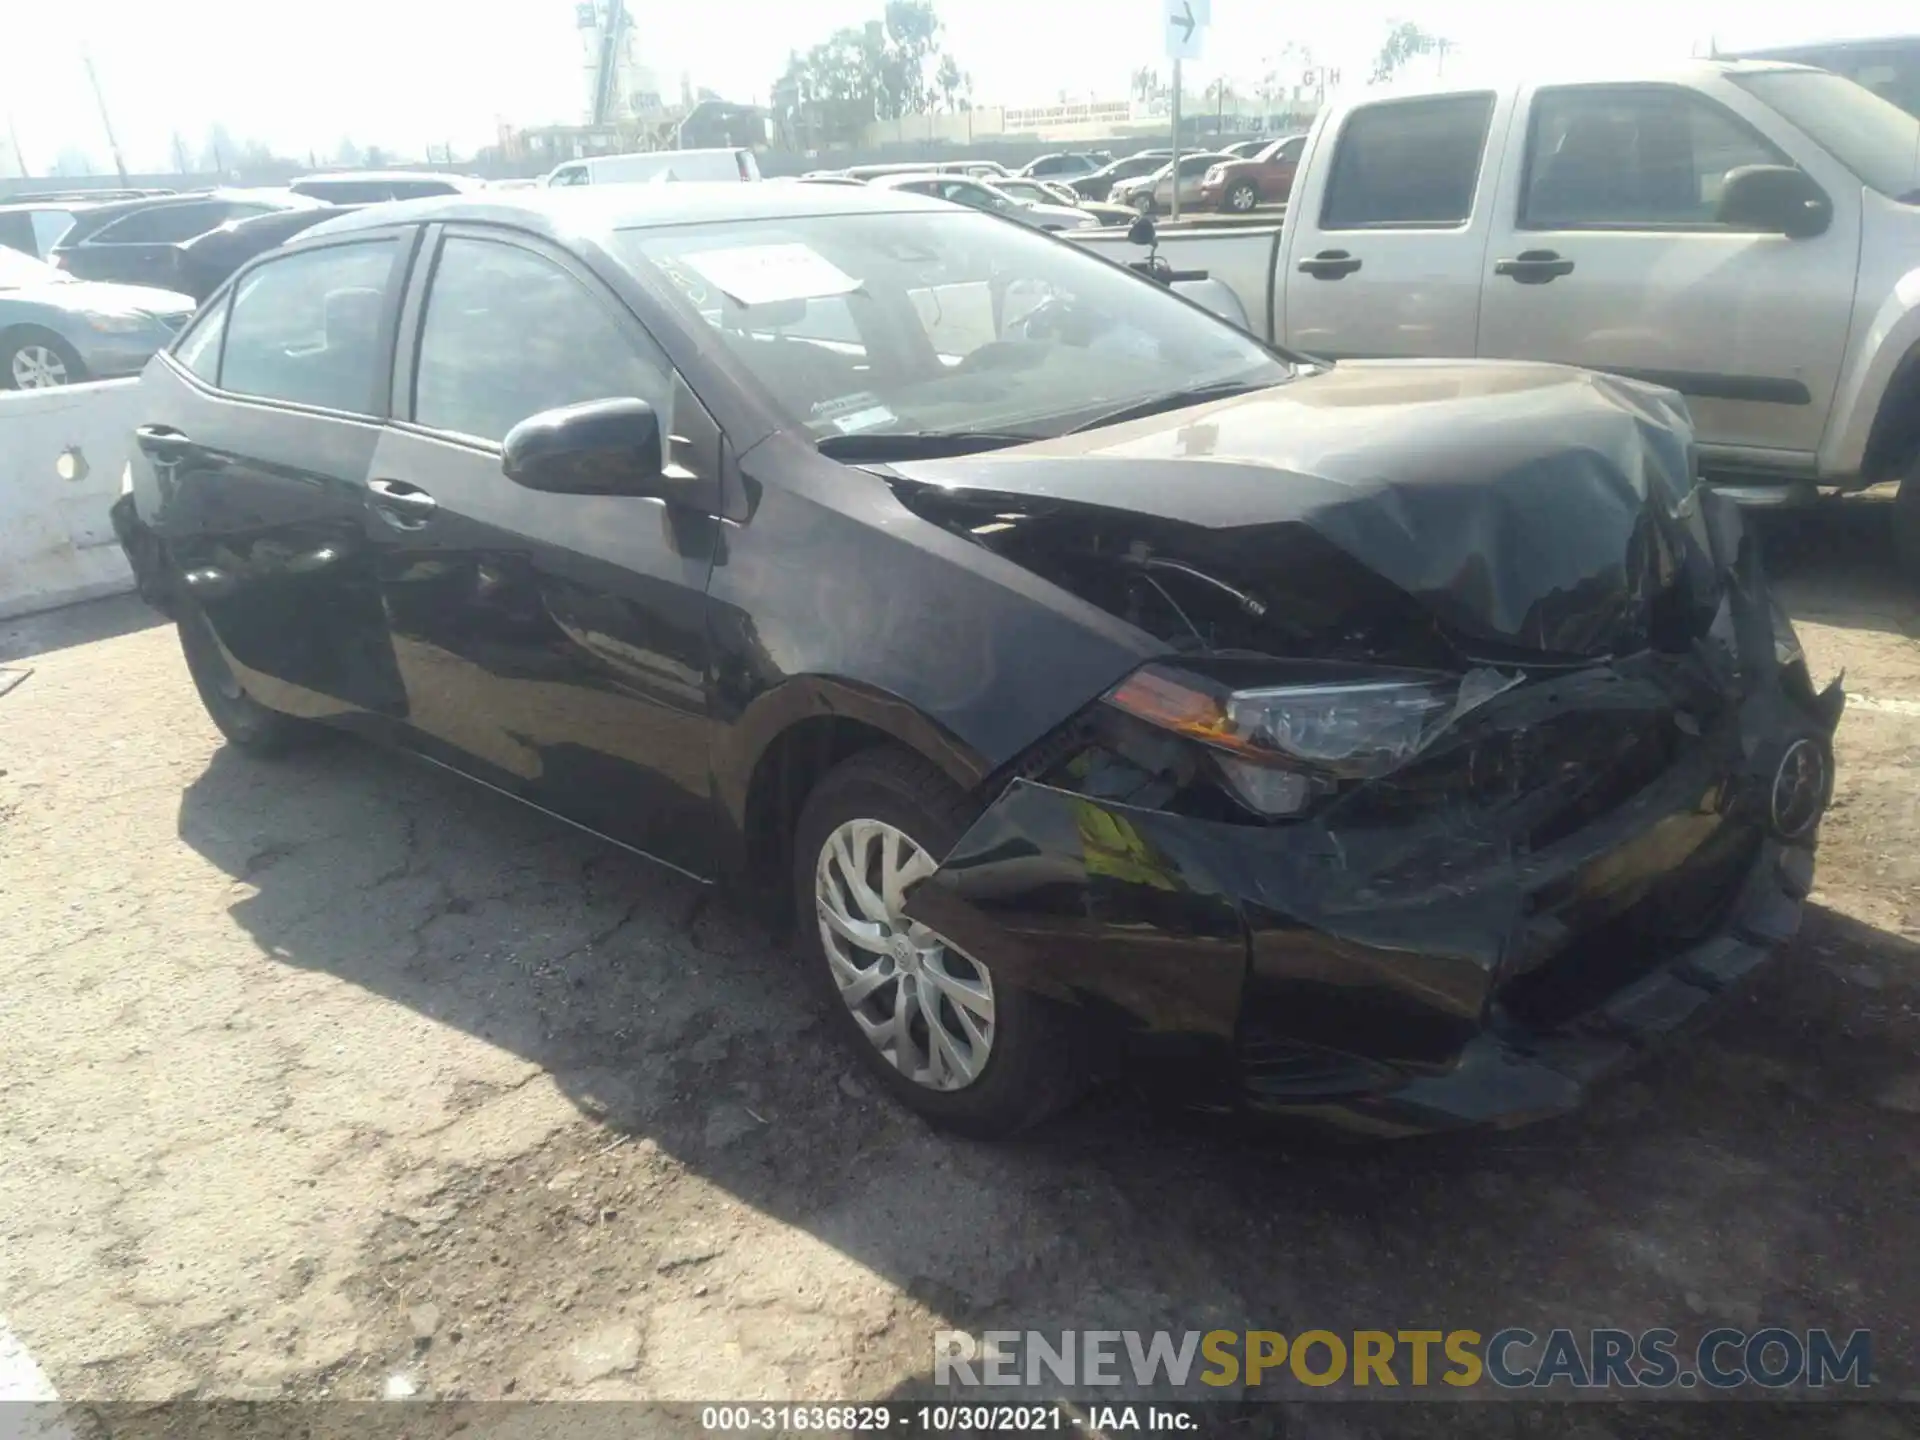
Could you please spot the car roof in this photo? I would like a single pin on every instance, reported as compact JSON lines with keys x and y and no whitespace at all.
{"x":601,"y":209}
{"x":65,"y":207}
{"x":889,"y":182}
{"x":1577,"y":71}
{"x":357,"y":175}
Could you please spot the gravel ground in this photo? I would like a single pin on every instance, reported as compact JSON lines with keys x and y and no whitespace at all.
{"x":337,"y":1077}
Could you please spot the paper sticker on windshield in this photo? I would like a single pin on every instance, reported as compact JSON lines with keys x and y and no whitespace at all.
{"x":860,"y":420}
{"x":768,"y":274}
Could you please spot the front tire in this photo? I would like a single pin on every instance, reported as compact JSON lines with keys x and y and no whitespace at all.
{"x":38,"y":360}
{"x":948,"y":1038}
{"x":1242,"y":198}
{"x":247,"y":724}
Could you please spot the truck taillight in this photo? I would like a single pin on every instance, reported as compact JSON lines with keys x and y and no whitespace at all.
{"x":740,"y":159}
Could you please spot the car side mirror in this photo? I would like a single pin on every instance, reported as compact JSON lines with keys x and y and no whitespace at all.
{"x":1774,"y":199}
{"x":1143,"y":232}
{"x":601,"y":447}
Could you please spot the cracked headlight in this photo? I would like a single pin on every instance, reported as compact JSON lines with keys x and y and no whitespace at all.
{"x":1280,"y":746}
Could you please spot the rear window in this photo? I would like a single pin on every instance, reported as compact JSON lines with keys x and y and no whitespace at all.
{"x":1408,"y":163}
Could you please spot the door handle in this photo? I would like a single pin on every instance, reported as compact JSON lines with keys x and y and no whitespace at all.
{"x":1533,"y":267}
{"x":403,"y":506}
{"x":162,"y":442}
{"x":1330,"y":265}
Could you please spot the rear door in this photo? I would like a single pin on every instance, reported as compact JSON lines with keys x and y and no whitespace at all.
{"x":254,"y":438}
{"x":1607,"y":254}
{"x":551,"y":645}
{"x":1389,"y":228}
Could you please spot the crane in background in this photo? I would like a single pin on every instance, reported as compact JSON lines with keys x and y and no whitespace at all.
{"x":606,"y":76}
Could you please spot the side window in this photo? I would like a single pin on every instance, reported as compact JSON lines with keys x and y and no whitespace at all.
{"x":1613,"y":156}
{"x":1289,"y":153}
{"x":199,"y":348}
{"x":509,"y":334}
{"x":16,"y":233}
{"x":163,"y":224}
{"x":1407,"y":163}
{"x":570,"y":175}
{"x":306,"y":328}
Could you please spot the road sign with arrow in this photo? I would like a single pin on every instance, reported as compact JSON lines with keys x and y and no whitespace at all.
{"x":1184,"y":23}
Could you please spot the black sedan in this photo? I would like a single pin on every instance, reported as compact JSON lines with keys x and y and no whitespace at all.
{"x":1092,"y":687}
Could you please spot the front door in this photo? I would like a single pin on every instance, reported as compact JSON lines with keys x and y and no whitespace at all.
{"x":254,"y":438}
{"x":552,"y":645}
{"x":1607,"y":255}
{"x":1389,"y":229}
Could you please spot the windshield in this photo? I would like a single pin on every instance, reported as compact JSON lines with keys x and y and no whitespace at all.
{"x":915,"y":324}
{"x":17,"y":271}
{"x":1876,"y":140}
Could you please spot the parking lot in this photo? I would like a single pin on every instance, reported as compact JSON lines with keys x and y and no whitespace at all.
{"x":340,"y":1077}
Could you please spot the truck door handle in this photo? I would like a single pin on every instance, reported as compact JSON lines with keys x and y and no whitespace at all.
{"x":1330,"y":265}
{"x":162,"y":442}
{"x":403,"y":506}
{"x":1533,"y":267}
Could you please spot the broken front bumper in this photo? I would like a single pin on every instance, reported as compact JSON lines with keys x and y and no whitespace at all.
{"x":1396,"y":979}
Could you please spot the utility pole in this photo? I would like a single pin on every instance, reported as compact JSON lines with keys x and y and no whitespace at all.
{"x":1176,"y":141}
{"x":105,"y":124}
{"x":19,"y":155}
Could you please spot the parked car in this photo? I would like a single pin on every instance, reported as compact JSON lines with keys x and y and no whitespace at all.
{"x":1054,"y":192}
{"x":658,"y":165}
{"x":370,"y":187}
{"x":979,"y":169}
{"x":1397,"y":743}
{"x":1065,"y":165}
{"x":56,"y":330}
{"x":1889,"y":67}
{"x":137,"y":242}
{"x":1744,"y":233}
{"x":830,"y":178}
{"x":1099,"y":185}
{"x":984,"y":195}
{"x":203,"y":263}
{"x":34,"y":229}
{"x":1152,"y":194}
{"x":1243,"y":185}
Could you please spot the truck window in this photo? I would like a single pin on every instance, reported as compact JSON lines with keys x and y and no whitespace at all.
{"x":1610,"y":156}
{"x":1407,"y":163}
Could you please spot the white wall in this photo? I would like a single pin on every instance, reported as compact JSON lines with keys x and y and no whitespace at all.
{"x":56,"y":543}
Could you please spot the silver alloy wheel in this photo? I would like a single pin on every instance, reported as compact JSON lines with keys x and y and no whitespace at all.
{"x":1243,"y":198}
{"x":36,"y":367}
{"x":923,"y":1003}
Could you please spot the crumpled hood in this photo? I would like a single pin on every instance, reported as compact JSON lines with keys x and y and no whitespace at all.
{"x":1531,"y":505}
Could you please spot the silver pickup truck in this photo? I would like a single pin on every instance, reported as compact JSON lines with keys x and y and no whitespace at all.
{"x":1747,"y":234}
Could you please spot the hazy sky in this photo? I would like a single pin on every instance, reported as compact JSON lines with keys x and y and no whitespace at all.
{"x":406,"y":73}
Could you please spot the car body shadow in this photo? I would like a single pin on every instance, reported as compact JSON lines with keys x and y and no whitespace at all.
{"x":1834,"y":564}
{"x":1741,"y":1176}
{"x":27,"y":636}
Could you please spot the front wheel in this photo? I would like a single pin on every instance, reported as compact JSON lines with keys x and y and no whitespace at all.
{"x":39,"y":360}
{"x":247,"y":724}
{"x":1243,"y":197}
{"x":963,"y":1047}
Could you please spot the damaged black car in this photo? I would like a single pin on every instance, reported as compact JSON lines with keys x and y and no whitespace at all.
{"x":1403,"y":744}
